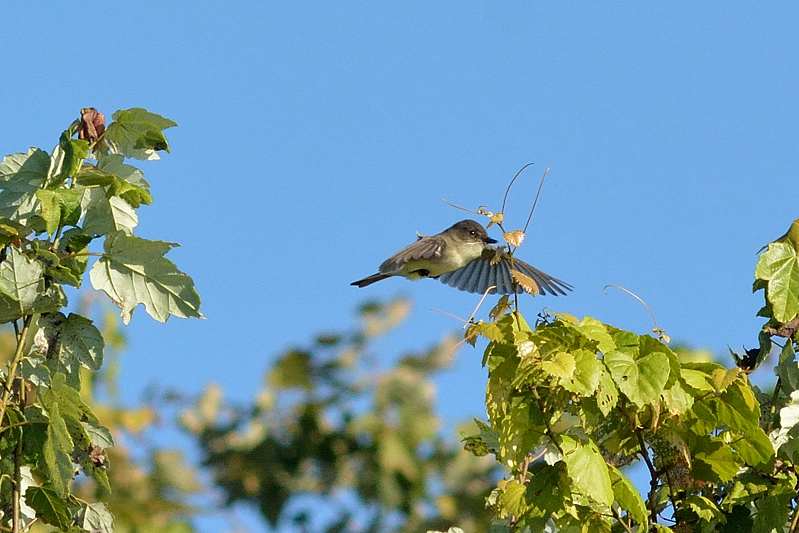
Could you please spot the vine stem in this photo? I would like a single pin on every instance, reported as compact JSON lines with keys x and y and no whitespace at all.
{"x":773,"y":408}
{"x":12,"y":368}
{"x":550,"y":433}
{"x":653,"y":481}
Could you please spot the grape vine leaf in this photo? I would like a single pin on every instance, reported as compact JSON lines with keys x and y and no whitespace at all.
{"x":779,"y":266}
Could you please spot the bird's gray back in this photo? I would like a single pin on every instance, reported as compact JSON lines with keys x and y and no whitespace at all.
{"x":425,"y":248}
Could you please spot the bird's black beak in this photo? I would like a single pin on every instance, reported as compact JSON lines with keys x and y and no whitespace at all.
{"x":489,"y":240}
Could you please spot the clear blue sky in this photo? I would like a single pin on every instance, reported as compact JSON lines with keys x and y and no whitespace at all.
{"x":316,"y":138}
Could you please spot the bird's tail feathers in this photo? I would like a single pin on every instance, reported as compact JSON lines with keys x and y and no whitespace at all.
{"x":368,"y":280}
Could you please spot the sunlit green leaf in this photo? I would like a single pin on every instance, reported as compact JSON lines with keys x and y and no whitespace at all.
{"x":779,"y":266}
{"x":21,"y":175}
{"x":641,"y":380}
{"x":107,"y":214}
{"x":560,"y":366}
{"x":134,"y":271}
{"x":511,"y":499}
{"x":607,"y":394}
{"x":60,"y":207}
{"x":137,"y":133}
{"x":588,"y":470}
{"x":627,"y":496}
{"x":67,"y":159}
{"x":22,"y":288}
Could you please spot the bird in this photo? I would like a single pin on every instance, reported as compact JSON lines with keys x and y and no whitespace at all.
{"x":462,"y":257}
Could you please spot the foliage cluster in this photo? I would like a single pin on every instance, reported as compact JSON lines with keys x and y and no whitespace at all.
{"x":55,"y":210}
{"x":572,"y":403}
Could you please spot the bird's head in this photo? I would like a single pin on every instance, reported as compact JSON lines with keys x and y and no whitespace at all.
{"x":470,"y":231}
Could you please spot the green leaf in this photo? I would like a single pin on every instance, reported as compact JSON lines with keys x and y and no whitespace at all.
{"x":714,"y":461}
{"x":21,"y":175}
{"x":107,"y":214}
{"x":34,"y":370}
{"x":697,"y":379}
{"x":50,"y":507}
{"x":98,"y":435}
{"x":81,"y":341}
{"x":560,"y":366}
{"x":607,"y":395}
{"x":118,"y":179}
{"x":597,"y":331}
{"x":60,"y":207}
{"x":628,"y":497}
{"x":779,"y":266}
{"x":587,"y":470}
{"x":57,"y":450}
{"x":482,"y":443}
{"x":787,"y":369}
{"x":137,"y":133}
{"x":587,"y":371}
{"x":22,"y":288}
{"x":133,"y":271}
{"x":754,"y":448}
{"x":703,"y":508}
{"x":549,"y":488}
{"x":641,"y":380}
{"x":67,"y":158}
{"x":738,"y":408}
{"x":511,"y":498}
{"x":677,"y":399}
{"x":96,"y":518}
{"x":772,"y":513}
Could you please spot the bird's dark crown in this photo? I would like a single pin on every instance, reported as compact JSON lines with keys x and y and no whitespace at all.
{"x":470,"y":230}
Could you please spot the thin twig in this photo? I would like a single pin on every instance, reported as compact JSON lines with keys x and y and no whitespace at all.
{"x":450,"y":315}
{"x":507,"y":190}
{"x":477,"y":307}
{"x":619,"y":520}
{"x":535,"y":202}
{"x":640,"y":300}
{"x":456,"y":206}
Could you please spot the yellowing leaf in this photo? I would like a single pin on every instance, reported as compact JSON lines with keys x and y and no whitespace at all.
{"x":514,"y":238}
{"x":526,"y":282}
{"x":495,"y":218}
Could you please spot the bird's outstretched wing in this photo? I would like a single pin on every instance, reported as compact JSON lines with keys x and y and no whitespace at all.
{"x":425,"y":248}
{"x":494,"y":268}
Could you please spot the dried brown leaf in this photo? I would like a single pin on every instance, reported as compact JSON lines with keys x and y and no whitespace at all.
{"x":92,"y":124}
{"x":514,"y":238}
{"x":525,"y":282}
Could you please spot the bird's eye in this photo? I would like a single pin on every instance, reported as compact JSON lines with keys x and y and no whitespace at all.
{"x":472,"y":233}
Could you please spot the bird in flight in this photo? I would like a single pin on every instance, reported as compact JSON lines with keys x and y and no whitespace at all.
{"x":462,"y":257}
